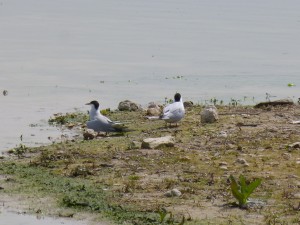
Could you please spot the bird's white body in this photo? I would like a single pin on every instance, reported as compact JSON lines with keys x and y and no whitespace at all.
{"x":100,"y":123}
{"x":174,"y":112}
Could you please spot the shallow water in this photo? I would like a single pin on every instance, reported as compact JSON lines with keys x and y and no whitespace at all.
{"x":56,"y":56}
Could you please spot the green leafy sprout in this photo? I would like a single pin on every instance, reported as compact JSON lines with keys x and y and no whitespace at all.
{"x":163,"y":213}
{"x":241,"y":191}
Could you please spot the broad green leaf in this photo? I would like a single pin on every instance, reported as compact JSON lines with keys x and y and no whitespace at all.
{"x":235,"y":189}
{"x":241,"y":191}
{"x":252,"y":186}
{"x":243,"y":184}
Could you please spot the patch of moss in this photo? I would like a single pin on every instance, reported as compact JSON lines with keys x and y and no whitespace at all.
{"x":68,"y":118}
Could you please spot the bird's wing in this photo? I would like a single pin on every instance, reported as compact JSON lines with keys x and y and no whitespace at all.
{"x":97,"y":125}
{"x":105,"y":119}
{"x":101,"y":124}
{"x":169,"y":110}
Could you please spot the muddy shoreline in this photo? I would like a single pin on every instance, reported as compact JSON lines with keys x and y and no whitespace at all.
{"x":129,"y":183}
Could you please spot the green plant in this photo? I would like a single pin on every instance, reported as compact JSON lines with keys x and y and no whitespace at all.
{"x":241,"y":191}
{"x":68,"y":118}
{"x":163,"y":213}
{"x":19,"y":151}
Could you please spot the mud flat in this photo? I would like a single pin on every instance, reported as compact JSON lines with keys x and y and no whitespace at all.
{"x":114,"y":179}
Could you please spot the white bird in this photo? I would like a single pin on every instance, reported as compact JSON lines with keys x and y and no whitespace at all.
{"x":100,"y":123}
{"x":174,"y":112}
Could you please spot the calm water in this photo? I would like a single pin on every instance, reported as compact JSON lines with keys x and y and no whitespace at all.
{"x":57,"y":55}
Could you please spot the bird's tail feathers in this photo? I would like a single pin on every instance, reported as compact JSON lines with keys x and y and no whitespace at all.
{"x":121,"y":127}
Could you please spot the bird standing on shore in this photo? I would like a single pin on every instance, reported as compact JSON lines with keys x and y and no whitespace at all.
{"x":175,"y":111}
{"x":100,"y":123}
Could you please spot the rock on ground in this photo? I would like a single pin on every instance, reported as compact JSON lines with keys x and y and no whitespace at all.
{"x":188,"y":104}
{"x":294,"y":145}
{"x":155,"y":143}
{"x":128,"y":105}
{"x":281,"y":102}
{"x":154,"y":109}
{"x":209,"y":114}
{"x":89,"y":134}
{"x":173,"y":193}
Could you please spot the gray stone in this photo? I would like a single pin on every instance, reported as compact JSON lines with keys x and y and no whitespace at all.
{"x":155,"y":143}
{"x":188,"y":104}
{"x":154,"y":109}
{"x":168,"y":194}
{"x":297,"y":195}
{"x":241,"y":161}
{"x":176,"y":192}
{"x":223,"y":164}
{"x":89,"y":134}
{"x":173,"y":193}
{"x":294,"y":145}
{"x":223,"y":134}
{"x":129,"y":106}
{"x":209,"y":114}
{"x":223,"y":167}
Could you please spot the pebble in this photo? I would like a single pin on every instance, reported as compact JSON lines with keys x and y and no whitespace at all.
{"x":241,"y":161}
{"x":294,"y":145}
{"x":297,"y":195}
{"x":188,"y":104}
{"x":231,"y":146}
{"x":223,"y":134}
{"x":5,"y":92}
{"x":155,"y":143}
{"x":209,"y":114}
{"x":223,"y":164}
{"x":89,"y":134}
{"x":173,"y":193}
{"x":286,"y":156}
{"x":128,"y":105}
{"x":154,"y":109}
{"x":223,"y":167}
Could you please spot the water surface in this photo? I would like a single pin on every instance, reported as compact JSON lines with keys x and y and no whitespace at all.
{"x":57,"y":55}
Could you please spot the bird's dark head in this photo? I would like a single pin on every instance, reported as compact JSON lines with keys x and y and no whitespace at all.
{"x":177,"y":97}
{"x":94,"y":103}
